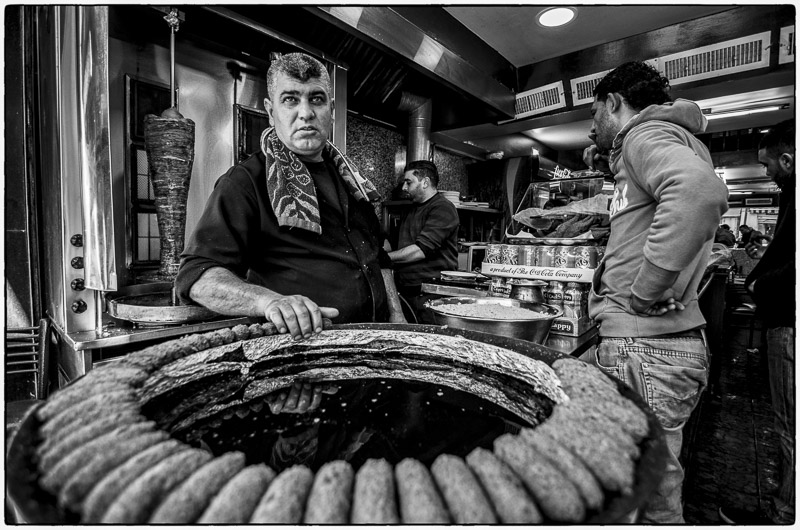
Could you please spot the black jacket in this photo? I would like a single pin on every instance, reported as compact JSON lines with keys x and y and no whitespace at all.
{"x":340,"y":268}
{"x":433,"y":227}
{"x":774,"y":292}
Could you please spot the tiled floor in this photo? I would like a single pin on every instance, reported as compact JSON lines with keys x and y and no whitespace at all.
{"x":733,"y":455}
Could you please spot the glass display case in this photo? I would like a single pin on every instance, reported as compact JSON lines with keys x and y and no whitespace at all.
{"x":562,"y":204}
{"x":557,"y":236}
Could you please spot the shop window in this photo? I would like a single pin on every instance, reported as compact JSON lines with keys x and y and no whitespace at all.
{"x":142,"y":98}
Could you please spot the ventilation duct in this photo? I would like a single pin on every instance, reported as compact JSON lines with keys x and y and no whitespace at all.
{"x":419,"y":126}
{"x":583,"y":87}
{"x":729,"y":57}
{"x":538,"y":101}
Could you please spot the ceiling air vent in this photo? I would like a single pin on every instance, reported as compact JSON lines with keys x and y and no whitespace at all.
{"x":786,"y":51}
{"x":539,"y":100}
{"x":738,"y":55}
{"x":758,"y":201}
{"x":583,"y":87}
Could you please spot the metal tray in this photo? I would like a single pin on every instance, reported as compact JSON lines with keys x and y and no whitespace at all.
{"x":151,"y":304}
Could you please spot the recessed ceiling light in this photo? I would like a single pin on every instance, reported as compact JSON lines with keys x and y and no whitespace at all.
{"x":555,"y":16}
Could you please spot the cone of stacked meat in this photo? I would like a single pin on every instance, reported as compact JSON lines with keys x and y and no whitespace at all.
{"x":169,"y":142}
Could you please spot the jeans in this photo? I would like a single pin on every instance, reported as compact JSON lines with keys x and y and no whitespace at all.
{"x":670,"y":373}
{"x":780,"y":360}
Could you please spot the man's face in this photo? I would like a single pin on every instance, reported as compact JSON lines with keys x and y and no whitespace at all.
{"x":301,"y":114}
{"x":604,"y":127}
{"x":414,"y":187}
{"x":779,"y":168}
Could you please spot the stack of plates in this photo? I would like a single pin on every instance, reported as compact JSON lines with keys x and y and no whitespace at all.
{"x":459,"y":275}
{"x":452,"y":196}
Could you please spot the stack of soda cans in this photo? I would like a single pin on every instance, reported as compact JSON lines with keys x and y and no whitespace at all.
{"x":553,"y":256}
{"x":565,"y":256}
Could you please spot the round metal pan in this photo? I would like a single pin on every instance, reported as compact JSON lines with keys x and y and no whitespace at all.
{"x":532,"y":329}
{"x":151,"y":304}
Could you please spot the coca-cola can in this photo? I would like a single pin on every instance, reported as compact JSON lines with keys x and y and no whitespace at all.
{"x":546,"y":256}
{"x":494,"y":253}
{"x":510,"y":254}
{"x":565,"y":257}
{"x":601,"y":251}
{"x":586,"y":258}
{"x":527,"y":255}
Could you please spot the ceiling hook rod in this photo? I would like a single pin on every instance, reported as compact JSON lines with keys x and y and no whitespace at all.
{"x":173,"y":21}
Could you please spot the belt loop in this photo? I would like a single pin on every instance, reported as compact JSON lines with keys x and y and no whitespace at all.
{"x":705,"y":340}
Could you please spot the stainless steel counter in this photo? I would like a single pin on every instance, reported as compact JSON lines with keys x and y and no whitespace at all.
{"x":79,"y":350}
{"x":116,"y":333}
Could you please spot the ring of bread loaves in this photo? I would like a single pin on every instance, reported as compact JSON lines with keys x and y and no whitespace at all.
{"x":104,"y":461}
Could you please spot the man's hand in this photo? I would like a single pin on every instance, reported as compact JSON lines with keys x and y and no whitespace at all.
{"x":297,"y":315}
{"x":656,"y":309}
{"x":300,"y":398}
{"x":754,"y":250}
{"x":595,"y":159}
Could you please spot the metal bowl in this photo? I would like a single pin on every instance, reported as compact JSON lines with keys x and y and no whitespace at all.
{"x":527,"y":290}
{"x":531,"y":329}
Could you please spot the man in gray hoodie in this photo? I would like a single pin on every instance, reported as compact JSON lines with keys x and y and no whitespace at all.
{"x":666,"y":207}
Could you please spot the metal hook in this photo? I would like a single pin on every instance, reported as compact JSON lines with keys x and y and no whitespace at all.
{"x":174,"y":21}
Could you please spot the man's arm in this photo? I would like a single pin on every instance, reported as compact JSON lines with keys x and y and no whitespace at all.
{"x":439,"y":225}
{"x":223,"y":292}
{"x":690,"y":199}
{"x":396,"y":315}
{"x":408,"y":254}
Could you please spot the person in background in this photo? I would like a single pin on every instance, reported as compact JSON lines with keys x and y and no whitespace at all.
{"x":725,"y":236}
{"x":748,"y":234}
{"x":772,"y":285}
{"x":744,"y":236}
{"x":428,"y":237}
{"x":667,"y":204}
{"x":291,"y":233}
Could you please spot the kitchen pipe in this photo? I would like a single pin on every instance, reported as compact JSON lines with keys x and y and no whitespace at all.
{"x":419,"y":126}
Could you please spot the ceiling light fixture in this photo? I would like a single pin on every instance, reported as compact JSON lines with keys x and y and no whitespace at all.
{"x":555,"y":16}
{"x":741,"y":112}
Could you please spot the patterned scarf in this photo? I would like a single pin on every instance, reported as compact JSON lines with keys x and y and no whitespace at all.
{"x":291,"y":188}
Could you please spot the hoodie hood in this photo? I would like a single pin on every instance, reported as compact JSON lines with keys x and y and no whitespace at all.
{"x":682,"y":112}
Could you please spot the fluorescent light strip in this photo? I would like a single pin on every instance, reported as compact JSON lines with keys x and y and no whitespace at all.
{"x":743,"y":112}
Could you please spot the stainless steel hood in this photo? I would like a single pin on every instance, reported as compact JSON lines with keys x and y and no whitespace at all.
{"x":388,"y":28}
{"x":73,"y":118}
{"x":383,"y":52}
